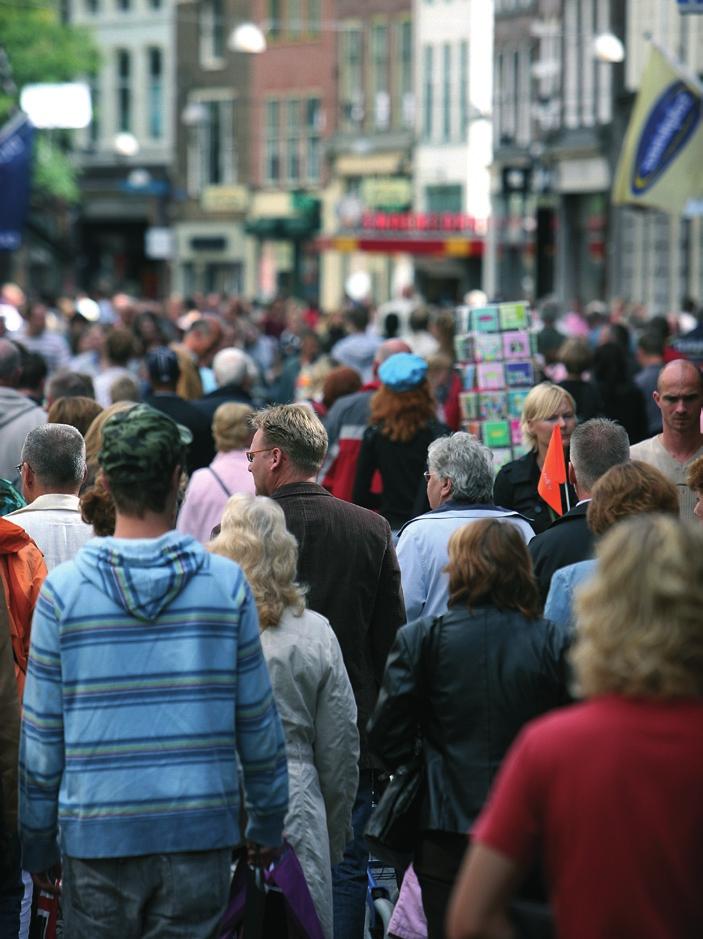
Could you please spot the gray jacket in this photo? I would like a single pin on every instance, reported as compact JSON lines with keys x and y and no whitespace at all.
{"x":18,"y":415}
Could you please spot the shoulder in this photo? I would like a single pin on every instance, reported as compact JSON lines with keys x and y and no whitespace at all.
{"x":517,"y":470}
{"x":645,"y":448}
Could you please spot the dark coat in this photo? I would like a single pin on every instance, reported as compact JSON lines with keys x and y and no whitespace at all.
{"x":515,"y":487}
{"x":225,"y":394}
{"x":202,"y":449}
{"x":467,"y":682}
{"x":567,"y":541}
{"x":347,"y":559}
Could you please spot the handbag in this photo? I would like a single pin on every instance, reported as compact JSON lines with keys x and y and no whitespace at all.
{"x":392,"y":829}
{"x":394,"y":824}
{"x":272,"y":902}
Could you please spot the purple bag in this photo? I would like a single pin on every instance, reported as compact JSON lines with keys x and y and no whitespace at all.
{"x":273,"y":902}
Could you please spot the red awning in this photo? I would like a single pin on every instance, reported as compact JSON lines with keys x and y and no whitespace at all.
{"x":379,"y":244}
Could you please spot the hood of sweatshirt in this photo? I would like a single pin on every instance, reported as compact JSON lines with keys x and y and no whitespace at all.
{"x":142,"y":575}
{"x":13,"y":404}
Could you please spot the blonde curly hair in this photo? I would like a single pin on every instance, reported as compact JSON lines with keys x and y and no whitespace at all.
{"x":253,"y":533}
{"x":638,"y":619}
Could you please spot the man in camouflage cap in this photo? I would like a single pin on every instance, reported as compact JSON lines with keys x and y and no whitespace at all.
{"x":146,"y":688}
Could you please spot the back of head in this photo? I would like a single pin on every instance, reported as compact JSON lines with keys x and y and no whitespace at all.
{"x":576,"y":355}
{"x":638,"y":619}
{"x":230,"y":367}
{"x":77,"y":411}
{"x":67,"y":384}
{"x":163,"y":367}
{"x":631,"y":488}
{"x":595,"y":446}
{"x":56,"y":454}
{"x":295,"y":429}
{"x":489,"y":565}
{"x":33,"y":371}
{"x":9,"y":363}
{"x":357,"y":318}
{"x":651,"y":342}
{"x":253,"y":533}
{"x":419,"y":320}
{"x":141,"y":449}
{"x":340,"y":381}
{"x":231,"y":426}
{"x":467,"y":463}
{"x":119,"y":346}
{"x":609,"y":364}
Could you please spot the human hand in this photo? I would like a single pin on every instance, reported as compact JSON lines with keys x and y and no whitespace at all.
{"x":48,"y":880}
{"x":259,"y":855}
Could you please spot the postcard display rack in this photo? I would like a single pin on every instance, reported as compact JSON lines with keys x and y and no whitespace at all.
{"x":495,"y":356}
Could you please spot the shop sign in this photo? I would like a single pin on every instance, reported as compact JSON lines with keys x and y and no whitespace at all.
{"x":420,"y":222}
{"x":225,"y":199}
{"x":392,"y":193}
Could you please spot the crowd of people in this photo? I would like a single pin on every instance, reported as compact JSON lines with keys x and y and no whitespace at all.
{"x":253,"y":565}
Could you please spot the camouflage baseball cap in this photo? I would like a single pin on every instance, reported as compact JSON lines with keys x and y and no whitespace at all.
{"x":141,"y":443}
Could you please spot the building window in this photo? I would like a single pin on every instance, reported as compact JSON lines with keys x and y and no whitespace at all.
{"x":293,"y":131}
{"x":155,"y":99}
{"x":444,"y":198}
{"x":446,"y":91}
{"x":155,"y":4}
{"x":94,"y":126}
{"x":124,"y":90}
{"x":405,"y":104}
{"x":351,"y":81}
{"x":274,"y":17}
{"x":294,"y":18}
{"x":427,"y":91}
{"x":313,"y":128}
{"x":379,"y":77}
{"x":124,"y":6}
{"x":463,"y":86}
{"x":272,"y":143}
{"x":314,"y":17}
{"x":92,"y":6}
{"x":212,"y":32}
{"x":216,"y":155}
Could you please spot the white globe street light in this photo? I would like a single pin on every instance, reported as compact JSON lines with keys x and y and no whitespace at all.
{"x":247,"y":37}
{"x":608,"y":48}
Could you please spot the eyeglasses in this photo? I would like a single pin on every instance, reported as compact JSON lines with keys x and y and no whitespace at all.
{"x":427,"y":475}
{"x":19,"y":467}
{"x":249,"y":454}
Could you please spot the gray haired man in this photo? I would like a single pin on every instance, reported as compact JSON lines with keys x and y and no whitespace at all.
{"x":51,"y":471}
{"x":595,"y":446}
{"x":460,"y":491}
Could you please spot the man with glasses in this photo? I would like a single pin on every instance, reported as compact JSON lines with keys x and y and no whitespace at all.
{"x":52,"y":472}
{"x":459,"y":490}
{"x":347,"y":560}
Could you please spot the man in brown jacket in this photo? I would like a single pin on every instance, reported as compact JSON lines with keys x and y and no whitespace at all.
{"x":347,"y":560}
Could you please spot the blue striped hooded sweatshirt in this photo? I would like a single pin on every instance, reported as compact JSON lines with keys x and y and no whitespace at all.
{"x":146,"y":682}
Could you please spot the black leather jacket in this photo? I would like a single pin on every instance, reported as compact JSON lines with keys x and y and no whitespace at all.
{"x":466,"y":682}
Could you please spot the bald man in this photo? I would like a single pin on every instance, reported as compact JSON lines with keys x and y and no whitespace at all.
{"x":679,"y":397}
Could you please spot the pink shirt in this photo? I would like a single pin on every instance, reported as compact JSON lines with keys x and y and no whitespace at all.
{"x":205,"y":498}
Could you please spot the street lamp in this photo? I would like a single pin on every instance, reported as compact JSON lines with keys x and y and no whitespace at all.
{"x":608,"y":48}
{"x":247,"y":37}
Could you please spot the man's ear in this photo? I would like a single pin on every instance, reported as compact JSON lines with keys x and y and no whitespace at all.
{"x":572,"y":474}
{"x":277,"y":456}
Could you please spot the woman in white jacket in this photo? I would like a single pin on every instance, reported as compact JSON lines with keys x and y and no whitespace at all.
{"x":311,"y":688}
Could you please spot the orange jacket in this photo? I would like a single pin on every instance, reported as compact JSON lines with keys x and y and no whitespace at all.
{"x":22,"y":571}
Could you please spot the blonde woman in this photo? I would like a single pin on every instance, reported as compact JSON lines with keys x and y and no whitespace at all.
{"x":210,"y":488}
{"x":608,"y":793}
{"x":516,"y":483}
{"x":311,"y":689}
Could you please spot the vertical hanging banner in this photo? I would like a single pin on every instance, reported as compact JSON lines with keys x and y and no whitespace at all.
{"x":661,"y":160}
{"x":15,"y":177}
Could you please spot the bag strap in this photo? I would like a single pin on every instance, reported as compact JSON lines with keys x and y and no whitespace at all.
{"x":224,"y":488}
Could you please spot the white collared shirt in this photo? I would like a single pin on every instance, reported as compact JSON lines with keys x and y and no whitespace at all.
{"x":54,"y":522}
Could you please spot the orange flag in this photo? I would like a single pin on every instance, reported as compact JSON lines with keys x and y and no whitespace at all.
{"x":553,"y":472}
